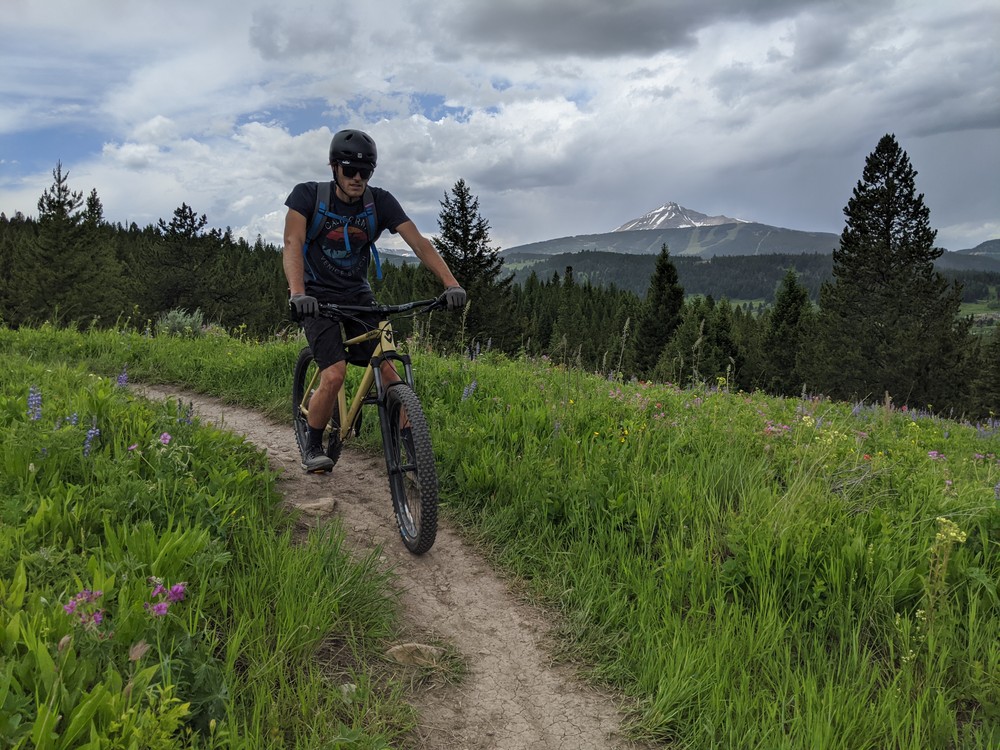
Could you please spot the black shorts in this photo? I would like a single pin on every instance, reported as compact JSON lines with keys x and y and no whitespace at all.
{"x":327,"y":341}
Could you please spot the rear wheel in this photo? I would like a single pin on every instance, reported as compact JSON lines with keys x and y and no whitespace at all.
{"x":409,"y":460}
{"x":304,"y":382}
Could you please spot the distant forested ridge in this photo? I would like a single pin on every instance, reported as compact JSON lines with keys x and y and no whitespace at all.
{"x":735,"y":277}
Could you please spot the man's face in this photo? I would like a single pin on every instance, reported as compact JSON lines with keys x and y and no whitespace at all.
{"x":352,"y":180}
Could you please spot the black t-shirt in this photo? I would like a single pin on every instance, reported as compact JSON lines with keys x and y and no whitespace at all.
{"x":336,"y":261}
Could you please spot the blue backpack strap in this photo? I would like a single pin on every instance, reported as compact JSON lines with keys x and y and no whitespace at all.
{"x":372,"y":218}
{"x":319,"y":210}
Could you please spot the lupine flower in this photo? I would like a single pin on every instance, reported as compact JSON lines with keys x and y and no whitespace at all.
{"x":123,"y":377}
{"x":188,"y":416}
{"x":73,"y":419}
{"x":469,"y":389}
{"x":34,"y":404}
{"x":996,"y":491}
{"x":92,"y":433}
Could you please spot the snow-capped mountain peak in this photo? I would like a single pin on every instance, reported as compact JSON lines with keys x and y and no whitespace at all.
{"x":673,"y":216}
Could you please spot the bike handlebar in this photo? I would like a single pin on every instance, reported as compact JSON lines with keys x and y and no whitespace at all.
{"x":328,"y":309}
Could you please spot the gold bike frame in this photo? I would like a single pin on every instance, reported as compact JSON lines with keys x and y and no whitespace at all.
{"x":386,"y":346}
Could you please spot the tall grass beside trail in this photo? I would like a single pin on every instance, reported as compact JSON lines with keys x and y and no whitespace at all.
{"x":150,"y":592}
{"x":755,"y":572}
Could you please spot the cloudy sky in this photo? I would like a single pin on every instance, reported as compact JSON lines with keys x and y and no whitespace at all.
{"x":563,"y":116}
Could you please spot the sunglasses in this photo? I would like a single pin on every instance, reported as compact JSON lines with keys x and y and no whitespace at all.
{"x":352,"y":172}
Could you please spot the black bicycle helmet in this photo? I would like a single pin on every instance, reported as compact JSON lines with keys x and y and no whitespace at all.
{"x":353,"y":148}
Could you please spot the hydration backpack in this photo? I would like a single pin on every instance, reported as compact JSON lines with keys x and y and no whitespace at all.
{"x":322,"y":211}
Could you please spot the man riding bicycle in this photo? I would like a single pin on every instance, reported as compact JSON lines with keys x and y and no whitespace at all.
{"x":333,"y":268}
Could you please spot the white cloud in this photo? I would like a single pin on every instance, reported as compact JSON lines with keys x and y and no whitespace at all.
{"x":565,"y":117}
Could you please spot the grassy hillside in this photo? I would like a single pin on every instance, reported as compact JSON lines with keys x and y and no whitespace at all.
{"x":752,"y":571}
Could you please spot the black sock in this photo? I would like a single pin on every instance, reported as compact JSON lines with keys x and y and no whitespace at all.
{"x":316,"y":436}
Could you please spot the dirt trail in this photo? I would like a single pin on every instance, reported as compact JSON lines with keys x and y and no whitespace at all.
{"x":512,"y":696}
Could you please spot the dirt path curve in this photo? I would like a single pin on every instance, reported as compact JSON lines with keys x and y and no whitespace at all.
{"x":512,"y":696}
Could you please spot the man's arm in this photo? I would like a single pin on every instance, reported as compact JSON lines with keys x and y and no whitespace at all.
{"x":424,"y":250}
{"x":291,"y":258}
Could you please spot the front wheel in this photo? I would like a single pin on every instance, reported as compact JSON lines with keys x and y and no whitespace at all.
{"x":409,"y":461}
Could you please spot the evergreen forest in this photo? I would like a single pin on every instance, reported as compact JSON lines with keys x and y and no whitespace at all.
{"x":875,"y":322}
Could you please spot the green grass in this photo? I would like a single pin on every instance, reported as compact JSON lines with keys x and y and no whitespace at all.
{"x":103,"y":497}
{"x":752,"y":571}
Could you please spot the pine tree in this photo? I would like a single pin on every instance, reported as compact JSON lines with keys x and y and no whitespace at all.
{"x":784,"y":335}
{"x":179,"y":271}
{"x":65,"y":272}
{"x":661,"y":314}
{"x":888,"y":321}
{"x":464,"y":244}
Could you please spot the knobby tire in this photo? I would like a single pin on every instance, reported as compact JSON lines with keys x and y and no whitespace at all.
{"x":410,"y":465}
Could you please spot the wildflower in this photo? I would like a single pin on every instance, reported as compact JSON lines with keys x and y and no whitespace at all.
{"x":92,"y":434}
{"x":165,"y":596}
{"x":133,"y":446}
{"x":935,"y":456}
{"x":176,"y":593}
{"x":34,"y":404}
{"x":996,"y":491}
{"x":157,"y":610}
{"x":123,"y":378}
{"x":469,"y":389}
{"x":948,"y":531}
{"x":81,"y":608}
{"x":165,"y":438}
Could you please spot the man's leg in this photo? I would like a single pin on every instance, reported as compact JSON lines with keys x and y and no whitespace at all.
{"x":321,"y":405}
{"x":322,"y":402}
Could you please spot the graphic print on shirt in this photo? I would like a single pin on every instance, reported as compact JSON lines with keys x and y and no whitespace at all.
{"x":344,"y":255}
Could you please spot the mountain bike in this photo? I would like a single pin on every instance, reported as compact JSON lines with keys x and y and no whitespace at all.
{"x":406,"y":439}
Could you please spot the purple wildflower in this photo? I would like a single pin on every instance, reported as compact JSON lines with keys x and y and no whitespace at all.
{"x":996,"y":491}
{"x":165,"y":438}
{"x":469,"y":389}
{"x":123,"y":377}
{"x":78,"y":608}
{"x":157,"y":610}
{"x":34,"y":404}
{"x":92,"y":434}
{"x":176,"y":593}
